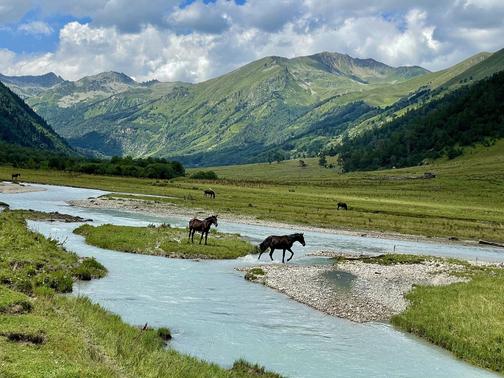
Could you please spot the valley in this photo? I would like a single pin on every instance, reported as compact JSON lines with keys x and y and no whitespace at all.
{"x":397,"y":201}
{"x":396,"y":169}
{"x":270,"y":108}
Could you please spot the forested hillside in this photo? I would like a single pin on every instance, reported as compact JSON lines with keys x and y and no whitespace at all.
{"x":472,"y":114}
{"x":20,"y":125}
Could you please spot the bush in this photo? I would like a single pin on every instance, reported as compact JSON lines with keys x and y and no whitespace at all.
{"x":89,"y":268}
{"x":164,"y":333}
{"x":205,"y":175}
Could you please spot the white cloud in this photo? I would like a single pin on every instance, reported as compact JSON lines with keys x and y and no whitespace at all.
{"x":11,"y":11}
{"x":159,"y":40}
{"x":36,"y":28}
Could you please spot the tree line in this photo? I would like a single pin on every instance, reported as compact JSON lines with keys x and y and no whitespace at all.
{"x":32,"y":158}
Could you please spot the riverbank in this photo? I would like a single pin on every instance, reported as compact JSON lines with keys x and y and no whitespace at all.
{"x":12,"y":188}
{"x":454,"y":304}
{"x":356,"y":290}
{"x":44,"y":334}
{"x":441,"y":207}
{"x":152,"y":206}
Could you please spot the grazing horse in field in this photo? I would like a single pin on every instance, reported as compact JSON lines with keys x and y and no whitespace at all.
{"x":284,"y":242}
{"x":202,"y":226}
{"x":209,"y":193}
{"x":15,"y":176}
{"x":342,"y":205}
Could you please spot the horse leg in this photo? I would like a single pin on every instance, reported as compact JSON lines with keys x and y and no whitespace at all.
{"x":189,"y":237}
{"x":201,"y":237}
{"x":259,"y":258}
{"x":292,"y":254}
{"x":283,"y":257}
{"x":192,"y":236}
{"x":271,"y":253}
{"x":206,"y":237}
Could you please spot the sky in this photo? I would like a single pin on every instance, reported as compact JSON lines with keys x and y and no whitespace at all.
{"x":195,"y":40}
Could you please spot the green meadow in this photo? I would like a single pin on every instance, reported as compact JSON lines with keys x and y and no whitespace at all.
{"x":165,"y":241}
{"x":465,"y":318}
{"x":463,"y":201}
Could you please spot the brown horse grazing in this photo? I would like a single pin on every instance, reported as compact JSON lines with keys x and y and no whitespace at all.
{"x":342,"y":205}
{"x":209,"y":193}
{"x":202,"y":226}
{"x":15,"y":176}
{"x":284,"y":242}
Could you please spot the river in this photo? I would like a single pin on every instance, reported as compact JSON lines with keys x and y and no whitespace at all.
{"x":216,"y":315}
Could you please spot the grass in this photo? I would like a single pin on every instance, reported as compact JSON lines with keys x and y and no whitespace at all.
{"x":29,"y":261}
{"x":395,"y":259}
{"x":36,"y":215}
{"x":465,"y":318}
{"x":253,"y":273}
{"x":165,"y":241}
{"x":13,"y":302}
{"x":463,"y":201}
{"x":43,"y":334}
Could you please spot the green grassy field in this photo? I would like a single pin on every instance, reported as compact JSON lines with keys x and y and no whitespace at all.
{"x":463,"y":201}
{"x":43,"y":334}
{"x":165,"y":241}
{"x":465,"y":318}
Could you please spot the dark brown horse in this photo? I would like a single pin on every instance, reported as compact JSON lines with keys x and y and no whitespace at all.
{"x":209,"y":193}
{"x":15,"y":176}
{"x":202,"y":226}
{"x":284,"y":242}
{"x":342,"y":205}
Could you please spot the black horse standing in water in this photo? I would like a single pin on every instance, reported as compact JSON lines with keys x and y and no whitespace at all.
{"x":202,"y":226}
{"x":284,"y":242}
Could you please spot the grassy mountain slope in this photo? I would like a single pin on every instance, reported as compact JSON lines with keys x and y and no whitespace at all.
{"x":468,"y":115}
{"x":20,"y":125}
{"x":246,"y":110}
{"x":429,"y":87}
{"x":293,"y":107}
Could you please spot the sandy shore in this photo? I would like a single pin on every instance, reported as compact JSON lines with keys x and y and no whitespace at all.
{"x":158,"y":208}
{"x":11,"y":188}
{"x":355,"y":290}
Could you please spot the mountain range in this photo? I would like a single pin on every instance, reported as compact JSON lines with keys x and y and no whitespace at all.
{"x":292,"y":107}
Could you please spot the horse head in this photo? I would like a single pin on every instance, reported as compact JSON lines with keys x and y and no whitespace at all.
{"x":300,"y":238}
{"x":213,"y":220}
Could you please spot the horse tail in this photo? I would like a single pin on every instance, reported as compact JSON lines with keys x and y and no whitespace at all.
{"x":265,"y":244}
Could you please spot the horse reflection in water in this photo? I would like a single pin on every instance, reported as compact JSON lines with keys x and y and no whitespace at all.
{"x":283,"y":242}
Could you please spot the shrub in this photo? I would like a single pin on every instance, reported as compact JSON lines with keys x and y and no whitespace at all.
{"x":164,"y":333}
{"x":89,"y":268}
{"x":205,"y":175}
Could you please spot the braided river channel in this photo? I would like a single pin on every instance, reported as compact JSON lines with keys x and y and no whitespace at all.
{"x":216,"y":315}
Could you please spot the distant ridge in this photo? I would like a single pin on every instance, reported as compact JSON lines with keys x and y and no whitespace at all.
{"x":47,"y":80}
